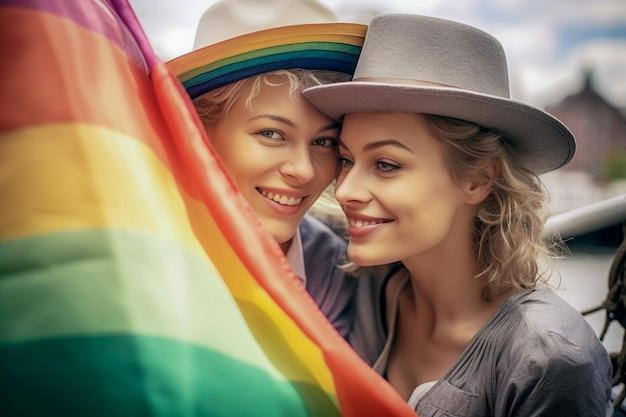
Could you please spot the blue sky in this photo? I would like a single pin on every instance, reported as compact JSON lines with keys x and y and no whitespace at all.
{"x":548,"y":43}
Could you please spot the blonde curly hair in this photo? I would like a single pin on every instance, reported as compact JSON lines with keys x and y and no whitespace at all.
{"x":216,"y":104}
{"x":509,"y":225}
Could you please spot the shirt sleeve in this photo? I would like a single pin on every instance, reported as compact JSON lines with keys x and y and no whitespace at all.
{"x":329,"y":286}
{"x":553,"y":377}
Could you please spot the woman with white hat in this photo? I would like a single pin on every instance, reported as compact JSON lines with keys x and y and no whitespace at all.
{"x":251,"y":60}
{"x":440,"y":172}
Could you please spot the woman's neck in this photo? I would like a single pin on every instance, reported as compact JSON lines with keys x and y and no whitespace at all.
{"x":285,"y":245}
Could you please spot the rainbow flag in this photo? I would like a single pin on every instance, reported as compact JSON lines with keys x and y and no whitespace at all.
{"x":134,"y":278}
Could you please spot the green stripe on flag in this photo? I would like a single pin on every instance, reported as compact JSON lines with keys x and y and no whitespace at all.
{"x":83,"y":288}
{"x":117,"y":281}
{"x":136,"y":376}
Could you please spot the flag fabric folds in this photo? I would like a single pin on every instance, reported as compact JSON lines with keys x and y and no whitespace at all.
{"x":134,"y":278}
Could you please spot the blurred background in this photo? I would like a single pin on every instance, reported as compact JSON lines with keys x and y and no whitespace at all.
{"x":567,"y":57}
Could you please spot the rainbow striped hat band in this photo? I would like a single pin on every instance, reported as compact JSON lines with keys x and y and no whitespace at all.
{"x":316,"y":46}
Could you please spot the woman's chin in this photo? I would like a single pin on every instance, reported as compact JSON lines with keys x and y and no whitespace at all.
{"x":363,"y":259}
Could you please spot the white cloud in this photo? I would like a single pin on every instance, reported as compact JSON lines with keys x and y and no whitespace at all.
{"x":176,"y":42}
{"x":586,"y":12}
{"x":546,"y":83}
{"x":528,"y":49}
{"x":169,"y":27}
{"x":607,"y":59}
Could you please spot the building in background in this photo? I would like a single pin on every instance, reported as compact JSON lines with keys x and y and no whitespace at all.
{"x":600,"y":130}
{"x":598,"y":170}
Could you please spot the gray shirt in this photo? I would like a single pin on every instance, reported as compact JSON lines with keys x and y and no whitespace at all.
{"x":536,"y":356}
{"x":331,"y":288}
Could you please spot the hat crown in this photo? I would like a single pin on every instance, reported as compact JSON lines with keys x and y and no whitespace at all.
{"x":423,"y":49}
{"x":421,"y":64}
{"x":230,"y":18}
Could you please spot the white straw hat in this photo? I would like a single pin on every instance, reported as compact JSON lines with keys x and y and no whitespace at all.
{"x":421,"y":64}
{"x":237,"y":39}
{"x":230,"y":18}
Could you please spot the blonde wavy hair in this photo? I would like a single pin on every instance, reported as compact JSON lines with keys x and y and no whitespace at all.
{"x":509,"y":224}
{"x":216,"y":104}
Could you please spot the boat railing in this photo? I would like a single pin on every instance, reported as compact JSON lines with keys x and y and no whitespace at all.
{"x":586,"y":219}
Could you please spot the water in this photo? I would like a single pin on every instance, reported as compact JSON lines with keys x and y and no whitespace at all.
{"x":584,"y":284}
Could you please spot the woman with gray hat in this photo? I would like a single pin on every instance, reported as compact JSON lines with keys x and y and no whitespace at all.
{"x":440,"y":173}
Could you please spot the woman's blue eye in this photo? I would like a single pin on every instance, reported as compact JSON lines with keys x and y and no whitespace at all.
{"x":270,"y":134}
{"x":386,"y":166}
{"x":325,"y":142}
{"x":345,"y":163}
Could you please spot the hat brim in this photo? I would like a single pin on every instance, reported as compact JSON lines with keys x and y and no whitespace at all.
{"x":544,"y":143}
{"x":316,"y":46}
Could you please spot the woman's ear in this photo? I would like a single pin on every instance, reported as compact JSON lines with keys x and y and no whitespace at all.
{"x":479,"y":186}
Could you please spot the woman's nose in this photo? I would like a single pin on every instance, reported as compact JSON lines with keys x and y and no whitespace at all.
{"x":298,"y":165}
{"x":350,"y":187}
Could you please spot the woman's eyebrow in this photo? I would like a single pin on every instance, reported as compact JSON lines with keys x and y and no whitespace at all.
{"x":368,"y":147}
{"x":274,"y":117}
{"x":331,"y":126}
{"x":379,"y":144}
{"x":289,"y":122}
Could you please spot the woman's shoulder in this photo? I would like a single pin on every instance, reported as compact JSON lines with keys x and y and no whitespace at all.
{"x":552,"y":349}
{"x":545,"y":328}
{"x":544,"y":310}
{"x":321,"y":243}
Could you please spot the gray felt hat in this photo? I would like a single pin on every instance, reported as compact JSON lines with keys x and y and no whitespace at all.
{"x":421,"y":64}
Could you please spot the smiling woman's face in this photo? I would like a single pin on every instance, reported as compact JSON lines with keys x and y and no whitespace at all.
{"x":280,"y":151}
{"x":397,"y":191}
